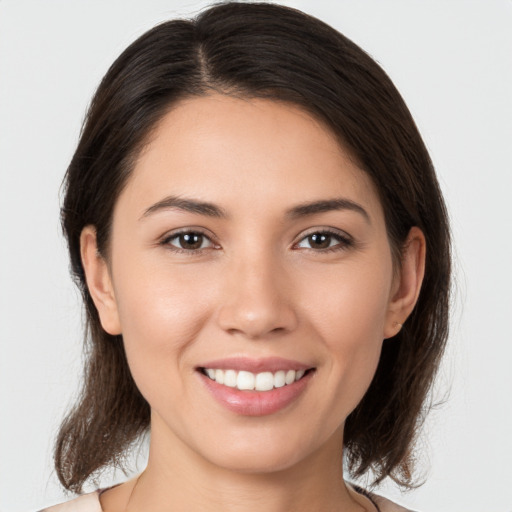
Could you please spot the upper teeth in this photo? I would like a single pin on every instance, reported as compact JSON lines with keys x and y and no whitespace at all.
{"x":263,"y":381}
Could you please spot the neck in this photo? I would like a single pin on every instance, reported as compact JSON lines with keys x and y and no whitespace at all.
{"x":176,"y":478}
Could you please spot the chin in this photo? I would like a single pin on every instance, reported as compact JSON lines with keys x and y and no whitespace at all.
{"x":262,"y":463}
{"x":262,"y":454}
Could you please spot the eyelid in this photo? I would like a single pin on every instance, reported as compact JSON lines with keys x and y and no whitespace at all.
{"x":165,"y":240}
{"x":346,"y":240}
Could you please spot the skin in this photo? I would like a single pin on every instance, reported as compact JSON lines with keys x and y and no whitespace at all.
{"x":258,"y":288}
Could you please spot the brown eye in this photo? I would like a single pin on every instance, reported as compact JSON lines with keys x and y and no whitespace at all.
{"x":325,"y":241}
{"x":188,"y":241}
{"x":320,"y":240}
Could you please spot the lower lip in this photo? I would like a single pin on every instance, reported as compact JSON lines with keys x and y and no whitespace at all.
{"x":256,"y":403}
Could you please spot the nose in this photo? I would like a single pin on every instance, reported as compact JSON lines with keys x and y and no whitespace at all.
{"x":257,"y":299}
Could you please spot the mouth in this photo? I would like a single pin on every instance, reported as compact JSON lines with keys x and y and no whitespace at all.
{"x":249,"y":381}
{"x":255,"y":387}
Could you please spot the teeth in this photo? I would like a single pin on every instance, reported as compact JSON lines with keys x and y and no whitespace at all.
{"x":279,"y":379}
{"x":290,"y":376}
{"x":219,"y":376}
{"x":247,"y":381}
{"x":230,"y":378}
{"x":264,"y":381}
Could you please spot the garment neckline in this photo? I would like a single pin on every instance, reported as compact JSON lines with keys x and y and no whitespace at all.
{"x":355,"y":488}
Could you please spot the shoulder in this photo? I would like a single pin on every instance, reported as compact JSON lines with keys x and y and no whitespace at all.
{"x":386,"y":505}
{"x":381,"y":503}
{"x":85,"y":503}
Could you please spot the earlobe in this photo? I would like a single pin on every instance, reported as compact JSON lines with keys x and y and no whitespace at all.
{"x":408,"y":282}
{"x":99,"y":282}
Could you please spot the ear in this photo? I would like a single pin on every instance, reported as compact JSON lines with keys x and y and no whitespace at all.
{"x":407,"y":283}
{"x":99,"y":281}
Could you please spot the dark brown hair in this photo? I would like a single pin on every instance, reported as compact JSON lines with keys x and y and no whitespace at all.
{"x":264,"y":51}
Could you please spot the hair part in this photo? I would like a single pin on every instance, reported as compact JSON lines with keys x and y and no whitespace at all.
{"x":281,"y":54}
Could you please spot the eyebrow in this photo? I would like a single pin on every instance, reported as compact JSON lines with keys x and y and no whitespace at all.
{"x":188,"y":205}
{"x":213,"y":210}
{"x":326,"y":205}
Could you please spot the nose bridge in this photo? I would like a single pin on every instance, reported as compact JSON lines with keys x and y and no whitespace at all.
{"x":255,"y":299}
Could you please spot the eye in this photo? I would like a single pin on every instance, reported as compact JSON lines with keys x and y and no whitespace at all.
{"x":187,"y":242}
{"x":325,"y":241}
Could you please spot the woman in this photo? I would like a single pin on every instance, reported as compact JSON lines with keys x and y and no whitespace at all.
{"x":263,"y":251}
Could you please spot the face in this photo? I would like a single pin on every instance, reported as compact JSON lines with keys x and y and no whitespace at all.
{"x":248,"y":250}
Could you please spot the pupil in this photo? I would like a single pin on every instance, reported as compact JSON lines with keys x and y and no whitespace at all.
{"x":320,"y":240}
{"x":191,"y":240}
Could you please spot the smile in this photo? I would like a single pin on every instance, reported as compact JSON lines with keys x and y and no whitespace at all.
{"x":248,"y":381}
{"x":255,"y":387}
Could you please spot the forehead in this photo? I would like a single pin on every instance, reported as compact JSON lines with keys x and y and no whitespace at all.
{"x":253,"y":152}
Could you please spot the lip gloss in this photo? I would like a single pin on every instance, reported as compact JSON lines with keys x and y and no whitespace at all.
{"x":255,"y":403}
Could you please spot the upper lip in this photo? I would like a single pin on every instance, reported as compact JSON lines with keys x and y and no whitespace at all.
{"x":267,"y":364}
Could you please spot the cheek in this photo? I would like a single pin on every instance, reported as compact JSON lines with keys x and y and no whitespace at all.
{"x":161,"y":313}
{"x":350,"y":303}
{"x":349,"y":313}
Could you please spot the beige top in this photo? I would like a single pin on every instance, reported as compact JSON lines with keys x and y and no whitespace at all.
{"x":91,"y":503}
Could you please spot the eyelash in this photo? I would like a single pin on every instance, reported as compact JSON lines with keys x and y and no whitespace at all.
{"x":344,"y":241}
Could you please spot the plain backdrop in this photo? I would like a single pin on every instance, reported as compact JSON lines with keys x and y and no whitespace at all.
{"x":451,"y":60}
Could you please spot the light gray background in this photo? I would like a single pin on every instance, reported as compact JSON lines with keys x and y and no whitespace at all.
{"x":452,"y":62}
